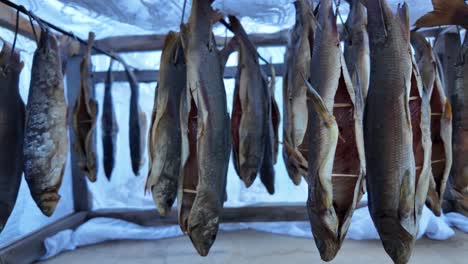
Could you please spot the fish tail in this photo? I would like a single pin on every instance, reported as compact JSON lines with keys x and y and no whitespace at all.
{"x":445,"y":13}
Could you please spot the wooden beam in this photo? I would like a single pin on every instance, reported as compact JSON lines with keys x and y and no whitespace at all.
{"x":8,"y":21}
{"x":80,"y":189}
{"x":262,"y":213}
{"x":29,"y":249}
{"x":148,"y":76}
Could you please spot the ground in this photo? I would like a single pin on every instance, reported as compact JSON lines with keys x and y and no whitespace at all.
{"x":259,"y":248}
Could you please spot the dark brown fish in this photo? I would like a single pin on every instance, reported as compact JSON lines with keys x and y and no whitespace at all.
{"x":396,"y":132}
{"x":446,"y":12}
{"x":12,"y":115}
{"x":337,"y":164}
{"x":137,"y":124}
{"x":205,"y":131}
{"x":46,"y":135}
{"x":84,"y":119}
{"x":164,"y":135}
{"x":251,"y":124}
{"x":356,"y":48}
{"x":109,"y":126}
{"x":441,"y":121}
{"x":295,"y":122}
{"x":459,"y":178}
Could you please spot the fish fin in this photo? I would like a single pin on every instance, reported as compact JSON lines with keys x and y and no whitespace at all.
{"x":407,"y":100}
{"x":448,"y":110}
{"x":319,"y":105}
{"x":444,"y":13}
{"x":403,"y":16}
{"x":406,"y":202}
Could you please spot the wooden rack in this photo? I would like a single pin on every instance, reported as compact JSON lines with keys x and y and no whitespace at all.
{"x":30,"y":248}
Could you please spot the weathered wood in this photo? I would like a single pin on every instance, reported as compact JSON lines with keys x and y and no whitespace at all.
{"x":8,"y":21}
{"x":31,"y":248}
{"x":149,"y":76}
{"x":80,"y":190}
{"x":262,"y":213}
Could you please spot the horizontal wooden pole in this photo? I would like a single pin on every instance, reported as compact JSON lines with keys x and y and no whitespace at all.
{"x":29,"y":249}
{"x":148,"y":76}
{"x":8,"y":21}
{"x":262,"y":213}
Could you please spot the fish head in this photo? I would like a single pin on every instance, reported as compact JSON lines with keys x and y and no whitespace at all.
{"x":203,"y":222}
{"x":48,"y":201}
{"x":325,"y":231}
{"x":397,"y":242}
{"x":5,"y":211}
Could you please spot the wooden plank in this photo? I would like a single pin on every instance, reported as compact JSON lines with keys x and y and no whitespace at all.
{"x":261,"y":213}
{"x":8,"y":21}
{"x":148,"y":76}
{"x":31,"y":247}
{"x":80,"y":189}
{"x":132,"y":43}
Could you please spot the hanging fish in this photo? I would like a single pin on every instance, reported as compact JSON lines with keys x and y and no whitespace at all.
{"x":446,"y":12}
{"x":85,"y":113}
{"x":356,"y":48}
{"x":295,"y":121}
{"x":251,"y":124}
{"x":205,"y":131}
{"x":396,"y":132}
{"x":441,"y":121}
{"x":109,"y":125}
{"x":164,"y":135}
{"x":337,"y":165}
{"x":46,"y":136}
{"x":12,"y":115}
{"x":459,"y":178}
{"x":137,"y":124}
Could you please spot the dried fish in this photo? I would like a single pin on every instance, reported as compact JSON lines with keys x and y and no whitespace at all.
{"x":205,"y":140}
{"x":459,"y":178}
{"x":441,"y":121}
{"x":109,"y":125}
{"x":12,"y":115}
{"x":251,"y":126}
{"x":337,"y":166}
{"x":84,"y":118}
{"x":46,"y":135}
{"x":164,"y":135}
{"x":396,"y":132}
{"x":356,"y":48}
{"x":446,"y":12}
{"x":295,"y":122}
{"x":137,"y":124}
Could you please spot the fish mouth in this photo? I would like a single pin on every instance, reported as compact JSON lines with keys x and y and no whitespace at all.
{"x":248,"y":175}
{"x":397,"y":242}
{"x":202,"y":237}
{"x":48,"y":202}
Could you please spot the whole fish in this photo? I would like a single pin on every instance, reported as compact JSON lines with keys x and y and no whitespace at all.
{"x":109,"y":126}
{"x":164,"y":135}
{"x":459,"y":178}
{"x":205,"y":131}
{"x":356,"y":49}
{"x":137,"y":124}
{"x":85,"y":113}
{"x":336,"y":166}
{"x":441,"y":121}
{"x":396,"y":156}
{"x":251,"y":119}
{"x":46,"y":136}
{"x":295,"y":121}
{"x":446,"y":12}
{"x":12,"y":115}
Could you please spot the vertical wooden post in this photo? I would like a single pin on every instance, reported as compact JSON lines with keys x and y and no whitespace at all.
{"x":80,"y":189}
{"x":447,"y":48}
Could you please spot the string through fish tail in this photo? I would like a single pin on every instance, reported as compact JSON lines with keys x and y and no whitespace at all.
{"x":338,"y":13}
{"x":16,"y":34}
{"x":183,"y":12}
{"x":33,"y":28}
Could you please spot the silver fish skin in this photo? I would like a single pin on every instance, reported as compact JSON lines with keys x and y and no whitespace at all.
{"x":295,"y":122}
{"x":441,"y":121}
{"x":109,"y":126}
{"x":336,"y":167}
{"x":136,"y":123}
{"x":46,"y":136}
{"x":356,"y":48}
{"x":84,"y":118}
{"x":391,"y":166}
{"x":12,"y":117}
{"x":249,"y":123}
{"x":165,"y":135}
{"x":205,"y":92}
